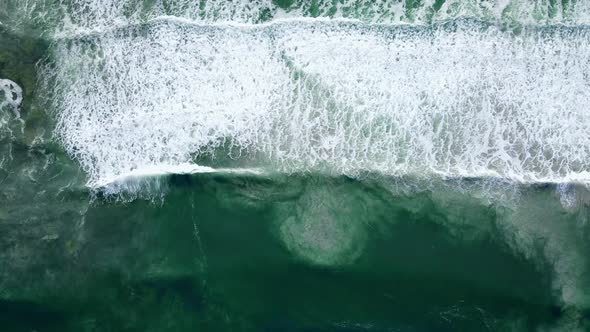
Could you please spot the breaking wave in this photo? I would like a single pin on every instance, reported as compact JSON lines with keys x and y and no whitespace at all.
{"x":460,"y":99}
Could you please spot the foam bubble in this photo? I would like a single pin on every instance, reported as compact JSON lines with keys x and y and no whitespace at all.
{"x":327,"y":225}
{"x":336,"y":97}
{"x":11,"y":95}
{"x":573,"y":197}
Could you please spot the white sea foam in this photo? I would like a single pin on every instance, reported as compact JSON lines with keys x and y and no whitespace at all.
{"x":335,"y":97}
{"x":326,"y":225}
{"x":11,"y":95}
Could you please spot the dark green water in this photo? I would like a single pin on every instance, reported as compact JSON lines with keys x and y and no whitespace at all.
{"x":303,"y":250}
{"x":211,"y":257}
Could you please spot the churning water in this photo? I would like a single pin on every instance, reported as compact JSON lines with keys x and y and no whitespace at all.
{"x":433,"y":156}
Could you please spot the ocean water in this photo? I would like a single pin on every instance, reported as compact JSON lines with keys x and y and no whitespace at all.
{"x":342,"y":165}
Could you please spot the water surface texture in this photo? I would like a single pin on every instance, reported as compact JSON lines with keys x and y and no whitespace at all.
{"x":287,"y":165}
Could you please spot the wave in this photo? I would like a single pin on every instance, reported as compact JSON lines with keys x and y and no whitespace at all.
{"x":461,"y":99}
{"x":50,"y":17}
{"x":161,"y":170}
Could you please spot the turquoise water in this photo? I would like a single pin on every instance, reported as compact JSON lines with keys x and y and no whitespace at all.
{"x":178,"y":165}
